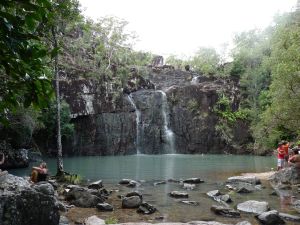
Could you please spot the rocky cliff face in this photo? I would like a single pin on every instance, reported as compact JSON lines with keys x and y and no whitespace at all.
{"x":169,"y":112}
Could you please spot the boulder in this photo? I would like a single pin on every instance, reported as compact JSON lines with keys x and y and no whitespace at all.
{"x":246,"y":179}
{"x":131,"y":202}
{"x":252,"y":206}
{"x":193,"y":181}
{"x":63,"y":220}
{"x":96,"y":185}
{"x":296,"y":205}
{"x":146,"y":208}
{"x":104,"y":207}
{"x":178,"y":194}
{"x":24,"y":204}
{"x":194,"y":203}
{"x":225,"y":211}
{"x":159,"y":183}
{"x":129,"y":183}
{"x":134,"y":193}
{"x":94,"y":220}
{"x":217,"y":196}
{"x":213,"y":193}
{"x":244,"y":223}
{"x":290,"y":175}
{"x":83,"y":197}
{"x":289,"y":217}
{"x":243,"y":190}
{"x":270,"y":218}
{"x":188,"y":186}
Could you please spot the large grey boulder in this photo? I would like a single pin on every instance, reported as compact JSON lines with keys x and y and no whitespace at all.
{"x":84,"y":197}
{"x":131,"y":202}
{"x":290,"y":175}
{"x":94,"y":220}
{"x":252,"y":206}
{"x":270,"y":218}
{"x":24,"y":204}
{"x":246,"y":179}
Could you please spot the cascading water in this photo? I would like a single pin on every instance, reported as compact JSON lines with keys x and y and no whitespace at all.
{"x":195,"y":80}
{"x":168,"y":132}
{"x":138,"y":123}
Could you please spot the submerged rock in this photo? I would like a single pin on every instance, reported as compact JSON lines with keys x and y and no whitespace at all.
{"x":193,"y":181}
{"x":253,"y":207}
{"x":270,"y":218}
{"x":129,"y":183}
{"x":217,"y":196}
{"x":225,"y":211}
{"x":188,"y":186}
{"x":178,"y":194}
{"x":159,"y":183}
{"x":194,"y":203}
{"x":146,"y":208}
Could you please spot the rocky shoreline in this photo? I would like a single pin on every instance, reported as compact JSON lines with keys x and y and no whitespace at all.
{"x":54,"y":203}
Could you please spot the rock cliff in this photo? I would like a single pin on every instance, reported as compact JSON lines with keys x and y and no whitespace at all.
{"x":167,"y":111}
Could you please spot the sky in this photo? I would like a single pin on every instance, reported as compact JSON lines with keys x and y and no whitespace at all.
{"x":180,"y":27}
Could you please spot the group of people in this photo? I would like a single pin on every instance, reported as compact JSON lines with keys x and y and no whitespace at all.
{"x":287,"y":156}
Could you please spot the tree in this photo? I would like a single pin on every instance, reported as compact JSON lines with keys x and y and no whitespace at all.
{"x":25,"y":77}
{"x":205,"y":61}
{"x":64,"y":11}
{"x":281,"y":118}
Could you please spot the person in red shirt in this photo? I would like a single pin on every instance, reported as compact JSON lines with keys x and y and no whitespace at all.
{"x":286,"y":146}
{"x":280,"y":156}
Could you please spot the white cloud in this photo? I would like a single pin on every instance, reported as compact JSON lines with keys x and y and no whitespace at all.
{"x":181,"y":26}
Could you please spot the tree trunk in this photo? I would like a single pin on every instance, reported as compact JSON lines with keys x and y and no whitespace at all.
{"x":60,"y":167}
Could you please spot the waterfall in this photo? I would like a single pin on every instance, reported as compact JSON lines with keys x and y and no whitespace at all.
{"x":166,"y":121}
{"x":195,"y":80}
{"x":138,"y":122}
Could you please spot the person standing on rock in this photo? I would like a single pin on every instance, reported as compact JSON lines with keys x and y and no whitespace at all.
{"x":280,"y":156}
{"x":286,"y":146}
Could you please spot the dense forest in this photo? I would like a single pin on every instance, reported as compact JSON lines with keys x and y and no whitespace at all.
{"x":43,"y":42}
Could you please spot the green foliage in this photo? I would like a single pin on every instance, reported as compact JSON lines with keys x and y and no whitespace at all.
{"x":71,"y":178}
{"x":176,"y":62}
{"x":280,"y":118}
{"x":23,"y":123}
{"x":111,"y":220}
{"x":223,"y":109}
{"x":205,"y":61}
{"x":48,"y":118}
{"x":25,"y":77}
{"x":193,"y":106}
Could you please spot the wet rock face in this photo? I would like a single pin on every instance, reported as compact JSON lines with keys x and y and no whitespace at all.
{"x":105,"y":119}
{"x":193,"y":120}
{"x":23,"y":204}
{"x":17,"y":158}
